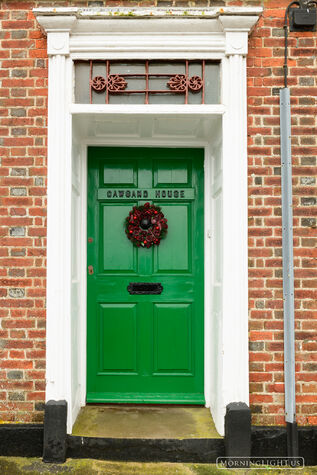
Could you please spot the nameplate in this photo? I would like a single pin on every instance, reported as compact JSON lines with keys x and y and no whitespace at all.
{"x":146,"y":194}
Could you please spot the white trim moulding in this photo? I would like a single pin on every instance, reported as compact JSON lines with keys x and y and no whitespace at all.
{"x":168,"y":109}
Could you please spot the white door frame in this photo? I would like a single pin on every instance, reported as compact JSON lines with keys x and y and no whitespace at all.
{"x":217,"y":33}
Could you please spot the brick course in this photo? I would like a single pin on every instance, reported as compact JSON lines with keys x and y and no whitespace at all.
{"x":23,"y":136}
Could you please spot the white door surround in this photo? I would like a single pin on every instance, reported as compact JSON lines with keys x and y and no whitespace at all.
{"x":215,"y":33}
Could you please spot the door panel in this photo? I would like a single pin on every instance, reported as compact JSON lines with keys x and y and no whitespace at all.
{"x":124,"y":173}
{"x":117,"y":332}
{"x":172,"y":338}
{"x":172,"y":257}
{"x":118,"y":254}
{"x":145,"y":348}
{"x":167,"y":172}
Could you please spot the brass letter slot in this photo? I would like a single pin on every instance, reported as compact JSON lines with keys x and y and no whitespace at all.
{"x":145,"y":288}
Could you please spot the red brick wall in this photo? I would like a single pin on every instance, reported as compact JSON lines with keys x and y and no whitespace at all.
{"x":265,"y":247}
{"x":23,"y":121}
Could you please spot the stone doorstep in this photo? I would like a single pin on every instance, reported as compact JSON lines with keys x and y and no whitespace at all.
{"x":145,"y":434}
{"x":145,"y":422}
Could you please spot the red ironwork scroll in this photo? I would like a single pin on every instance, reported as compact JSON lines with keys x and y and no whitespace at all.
{"x":113,"y":83}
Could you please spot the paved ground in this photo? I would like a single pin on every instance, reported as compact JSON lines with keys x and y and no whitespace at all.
{"x":153,"y":422}
{"x":34,"y":466}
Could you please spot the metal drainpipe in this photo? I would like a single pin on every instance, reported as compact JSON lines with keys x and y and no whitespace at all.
{"x":288,"y":259}
{"x":306,"y":20}
{"x":288,"y":273}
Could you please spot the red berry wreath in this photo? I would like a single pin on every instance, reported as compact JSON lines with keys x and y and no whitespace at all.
{"x":146,"y":225}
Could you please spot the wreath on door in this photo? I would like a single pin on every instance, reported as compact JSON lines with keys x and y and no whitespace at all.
{"x":146,"y":225}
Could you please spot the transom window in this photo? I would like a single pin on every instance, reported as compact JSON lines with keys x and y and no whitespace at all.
{"x":147,"y":82}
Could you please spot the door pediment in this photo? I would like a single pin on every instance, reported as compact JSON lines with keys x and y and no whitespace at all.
{"x":143,"y":33}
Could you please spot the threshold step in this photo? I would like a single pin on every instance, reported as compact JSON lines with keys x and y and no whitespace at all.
{"x":145,"y":434}
{"x":145,"y":422}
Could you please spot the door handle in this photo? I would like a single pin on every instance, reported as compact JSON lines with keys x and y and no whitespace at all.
{"x":90,"y":270}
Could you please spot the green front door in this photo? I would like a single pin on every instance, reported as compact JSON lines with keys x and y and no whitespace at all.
{"x":145,"y":348}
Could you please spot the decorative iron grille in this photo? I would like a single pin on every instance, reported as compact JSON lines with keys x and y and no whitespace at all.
{"x":194,"y":81}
